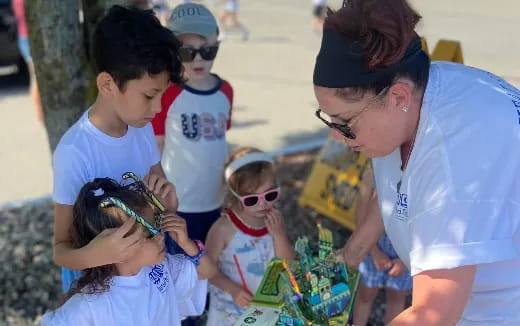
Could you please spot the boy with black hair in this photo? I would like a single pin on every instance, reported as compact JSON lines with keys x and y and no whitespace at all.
{"x":135,"y":58}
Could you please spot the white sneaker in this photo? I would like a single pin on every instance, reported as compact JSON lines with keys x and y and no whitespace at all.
{"x":222,"y":36}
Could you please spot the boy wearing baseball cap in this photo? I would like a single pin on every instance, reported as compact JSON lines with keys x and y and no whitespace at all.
{"x":191,"y":127}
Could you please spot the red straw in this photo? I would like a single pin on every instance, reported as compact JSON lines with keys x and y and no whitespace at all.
{"x":244,"y":285}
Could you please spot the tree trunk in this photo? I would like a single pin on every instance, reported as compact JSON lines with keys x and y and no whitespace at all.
{"x":59,"y":52}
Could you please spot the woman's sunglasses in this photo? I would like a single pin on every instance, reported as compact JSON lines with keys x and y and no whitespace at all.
{"x":346,"y":129}
{"x":252,"y":200}
{"x":206,"y":53}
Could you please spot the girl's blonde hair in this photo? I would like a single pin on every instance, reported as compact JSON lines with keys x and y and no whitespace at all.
{"x":248,"y":178}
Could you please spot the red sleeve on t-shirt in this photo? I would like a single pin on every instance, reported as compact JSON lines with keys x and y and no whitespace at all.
{"x":228,"y":91}
{"x":159,"y":121}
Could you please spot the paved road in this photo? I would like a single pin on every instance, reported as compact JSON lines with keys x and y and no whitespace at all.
{"x":271,"y":74}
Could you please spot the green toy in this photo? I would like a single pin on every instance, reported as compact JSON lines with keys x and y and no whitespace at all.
{"x":314,"y":290}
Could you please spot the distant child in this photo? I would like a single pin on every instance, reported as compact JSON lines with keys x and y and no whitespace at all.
{"x":191,"y":127}
{"x":248,"y":235}
{"x":319,"y":8}
{"x":134,"y":60}
{"x":149,"y":287}
{"x":229,"y":19}
{"x":25,"y":50}
{"x":381,"y":269}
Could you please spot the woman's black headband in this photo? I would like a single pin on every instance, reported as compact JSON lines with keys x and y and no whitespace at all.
{"x":341,"y":63}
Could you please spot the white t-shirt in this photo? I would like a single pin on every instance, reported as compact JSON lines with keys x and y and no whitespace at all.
{"x":158,"y":295}
{"x":85,"y":153}
{"x":459,"y":202}
{"x":194,"y":125}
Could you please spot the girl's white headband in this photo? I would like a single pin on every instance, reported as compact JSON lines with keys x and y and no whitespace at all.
{"x":245,"y":160}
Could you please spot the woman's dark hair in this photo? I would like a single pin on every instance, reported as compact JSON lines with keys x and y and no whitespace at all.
{"x":130,"y":42}
{"x":89,"y":220}
{"x":383,"y":29}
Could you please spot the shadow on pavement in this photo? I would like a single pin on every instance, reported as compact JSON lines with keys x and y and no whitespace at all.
{"x":14,"y":84}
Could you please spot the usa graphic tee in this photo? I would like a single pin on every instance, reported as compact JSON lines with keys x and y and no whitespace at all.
{"x":194,"y":125}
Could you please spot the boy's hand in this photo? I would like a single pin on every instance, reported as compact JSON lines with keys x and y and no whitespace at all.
{"x":163,"y":189}
{"x":241,"y":297}
{"x":114,"y":245}
{"x":398,"y":268}
{"x":381,"y":260}
{"x":275,"y":223}
{"x":178,"y":231}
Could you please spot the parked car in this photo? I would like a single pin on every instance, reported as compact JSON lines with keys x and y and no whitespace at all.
{"x":11,"y":61}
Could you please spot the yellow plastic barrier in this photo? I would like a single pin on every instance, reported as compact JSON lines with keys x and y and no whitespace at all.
{"x":333,"y":184}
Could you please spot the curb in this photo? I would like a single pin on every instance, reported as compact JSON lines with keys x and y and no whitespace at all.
{"x":307,"y":146}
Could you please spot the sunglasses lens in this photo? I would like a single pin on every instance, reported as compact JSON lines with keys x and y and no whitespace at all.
{"x":209,"y":52}
{"x":272,"y":196}
{"x":187,"y":54}
{"x":250,"y":201}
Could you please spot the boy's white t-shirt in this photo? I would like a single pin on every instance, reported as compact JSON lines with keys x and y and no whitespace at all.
{"x":158,"y":295}
{"x":85,"y":153}
{"x":459,"y":201}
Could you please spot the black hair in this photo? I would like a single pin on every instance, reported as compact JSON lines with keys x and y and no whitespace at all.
{"x":89,"y":220}
{"x":129,"y":42}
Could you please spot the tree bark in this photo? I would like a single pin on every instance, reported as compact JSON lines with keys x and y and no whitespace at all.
{"x":59,"y":52}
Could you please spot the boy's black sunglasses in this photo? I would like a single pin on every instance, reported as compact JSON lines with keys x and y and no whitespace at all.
{"x":206,"y":53}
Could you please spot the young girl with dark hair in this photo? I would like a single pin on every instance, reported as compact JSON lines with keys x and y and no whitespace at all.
{"x":445,"y":139}
{"x":248,"y":235}
{"x":150,"y":287}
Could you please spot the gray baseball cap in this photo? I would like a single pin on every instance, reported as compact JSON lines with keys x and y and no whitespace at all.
{"x":192,"y":18}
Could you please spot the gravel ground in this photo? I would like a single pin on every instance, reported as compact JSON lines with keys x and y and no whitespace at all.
{"x":30,"y":282}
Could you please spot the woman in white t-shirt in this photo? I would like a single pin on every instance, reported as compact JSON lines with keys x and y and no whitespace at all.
{"x":445,"y":139}
{"x":149,"y":288}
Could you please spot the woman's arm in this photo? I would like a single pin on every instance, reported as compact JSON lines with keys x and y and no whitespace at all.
{"x":368,"y":231}
{"x":438,"y":298}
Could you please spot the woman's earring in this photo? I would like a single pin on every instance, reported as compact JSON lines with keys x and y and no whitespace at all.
{"x":404,"y":108}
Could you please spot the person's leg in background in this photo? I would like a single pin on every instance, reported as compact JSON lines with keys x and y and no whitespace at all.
{"x":363,"y":305}
{"x":395,"y":303}
{"x":23,"y":45}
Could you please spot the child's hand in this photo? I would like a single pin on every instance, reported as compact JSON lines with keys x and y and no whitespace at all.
{"x":163,"y":189}
{"x":381,"y":260}
{"x":177,"y":229}
{"x":241,"y":297}
{"x":275,"y":223}
{"x":115,"y":245}
{"x":397,"y":268}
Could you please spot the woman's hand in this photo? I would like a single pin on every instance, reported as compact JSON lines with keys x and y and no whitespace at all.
{"x":163,"y":189}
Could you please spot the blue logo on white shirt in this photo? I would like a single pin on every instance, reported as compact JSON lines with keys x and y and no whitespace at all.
{"x":159,"y":277}
{"x":401,"y":207}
